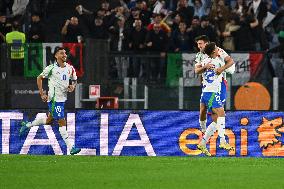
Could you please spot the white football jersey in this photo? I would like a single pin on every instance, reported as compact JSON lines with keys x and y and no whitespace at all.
{"x":222,"y":55}
{"x":199,"y":57}
{"x":58,"y":80}
{"x":211,"y":81}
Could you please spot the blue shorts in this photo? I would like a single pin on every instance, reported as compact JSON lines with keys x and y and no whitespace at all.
{"x":57,"y":111}
{"x":211,"y":100}
{"x":222,"y":94}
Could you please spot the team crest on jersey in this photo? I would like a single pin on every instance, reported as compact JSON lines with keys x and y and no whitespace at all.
{"x":209,"y":76}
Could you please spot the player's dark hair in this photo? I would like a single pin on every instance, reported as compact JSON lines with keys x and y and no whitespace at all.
{"x":57,"y":49}
{"x":204,"y":38}
{"x":209,"y":48}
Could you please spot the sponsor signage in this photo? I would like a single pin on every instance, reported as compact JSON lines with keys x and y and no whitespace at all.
{"x":145,"y":133}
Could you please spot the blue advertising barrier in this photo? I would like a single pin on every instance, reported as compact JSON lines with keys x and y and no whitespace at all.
{"x":145,"y":133}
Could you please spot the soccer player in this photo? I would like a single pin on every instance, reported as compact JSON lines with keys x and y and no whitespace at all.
{"x":212,"y":69}
{"x":202,"y":41}
{"x":58,"y":74}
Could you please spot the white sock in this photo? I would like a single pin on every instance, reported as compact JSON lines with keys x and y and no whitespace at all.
{"x":64,"y":134}
{"x":36,"y":122}
{"x":221,"y":128}
{"x":203,"y":124}
{"x":210,"y":131}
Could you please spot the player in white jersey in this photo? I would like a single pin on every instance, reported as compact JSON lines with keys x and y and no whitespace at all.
{"x":58,"y":74}
{"x":213,"y":68}
{"x":201,"y":43}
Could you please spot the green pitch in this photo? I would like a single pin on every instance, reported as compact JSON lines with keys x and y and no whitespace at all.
{"x":101,"y":172}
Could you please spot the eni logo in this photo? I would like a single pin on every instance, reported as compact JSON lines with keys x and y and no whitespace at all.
{"x":190,"y":137}
{"x":268,"y":137}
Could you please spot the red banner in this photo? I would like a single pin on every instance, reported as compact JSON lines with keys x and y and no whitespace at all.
{"x":75,"y":56}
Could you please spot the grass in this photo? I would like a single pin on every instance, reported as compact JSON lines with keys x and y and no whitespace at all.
{"x":104,"y":172}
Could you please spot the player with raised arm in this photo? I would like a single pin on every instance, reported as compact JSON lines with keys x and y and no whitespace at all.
{"x":212,"y":69}
{"x":58,"y":74}
{"x":202,"y":41}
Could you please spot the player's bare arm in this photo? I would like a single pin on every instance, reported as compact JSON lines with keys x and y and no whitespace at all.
{"x":199,"y":69}
{"x":41,"y":92}
{"x":228,"y":63}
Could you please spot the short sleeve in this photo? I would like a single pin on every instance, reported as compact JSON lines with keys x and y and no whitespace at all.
{"x":47,"y":71}
{"x":222,"y":54}
{"x":231,"y":69}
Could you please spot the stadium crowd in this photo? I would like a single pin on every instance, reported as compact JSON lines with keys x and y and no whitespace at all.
{"x":235,"y":25}
{"x":154,"y":25}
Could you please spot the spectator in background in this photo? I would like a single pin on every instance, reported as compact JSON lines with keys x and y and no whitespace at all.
{"x":158,"y":20}
{"x":240,"y":7}
{"x":94,"y":22}
{"x":117,"y":3}
{"x":258,"y":9}
{"x":232,"y":26}
{"x":243,"y":37}
{"x":134,"y":15}
{"x":5,"y":27}
{"x":219,"y":16}
{"x":185,"y":11}
{"x":131,"y":3}
{"x":105,"y":6}
{"x":98,"y":29}
{"x":145,"y":14}
{"x":171,"y":4}
{"x":157,"y":42}
{"x":279,"y":48}
{"x":195,"y":23}
{"x":137,"y":39}
{"x":119,"y":35}
{"x":16,"y":39}
{"x":205,"y":29}
{"x":39,"y":6}
{"x":98,"y":21}
{"x":36,"y":30}
{"x":120,"y":11}
{"x":193,"y":27}
{"x":176,"y":21}
{"x":119,"y":42}
{"x":109,"y":17}
{"x":71,"y":30}
{"x":276,"y":55}
{"x":199,"y":8}
{"x":181,"y":39}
